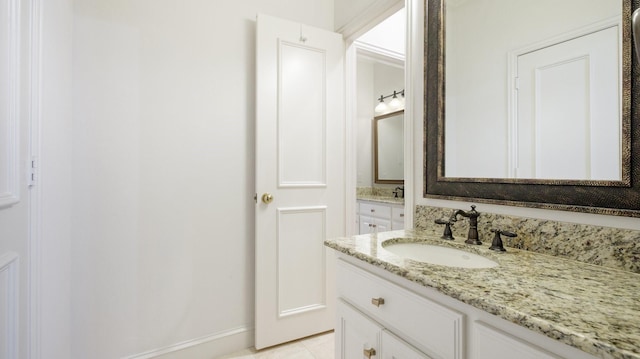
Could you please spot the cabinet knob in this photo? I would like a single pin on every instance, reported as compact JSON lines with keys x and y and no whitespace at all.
{"x":372,"y":210}
{"x":369,"y":352}
{"x":377,"y":301}
{"x":401,"y":214}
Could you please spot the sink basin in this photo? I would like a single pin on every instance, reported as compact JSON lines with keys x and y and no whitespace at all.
{"x":444,"y":256}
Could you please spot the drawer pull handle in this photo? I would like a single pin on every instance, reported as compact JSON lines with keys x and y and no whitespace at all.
{"x":372,"y":210}
{"x":401,"y":214}
{"x":377,"y":301}
{"x":369,"y":352}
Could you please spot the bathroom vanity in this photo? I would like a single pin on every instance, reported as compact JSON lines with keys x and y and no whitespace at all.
{"x":530,"y":305}
{"x":380,"y":215}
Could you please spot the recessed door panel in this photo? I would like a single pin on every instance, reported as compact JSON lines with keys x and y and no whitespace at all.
{"x":301,"y":117}
{"x":301,"y":260}
{"x":562,"y":117}
{"x":9,"y":101}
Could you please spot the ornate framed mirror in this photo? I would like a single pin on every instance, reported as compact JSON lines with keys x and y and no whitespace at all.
{"x":518,"y":120}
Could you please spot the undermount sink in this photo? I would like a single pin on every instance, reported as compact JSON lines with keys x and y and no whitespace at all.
{"x":444,"y":256}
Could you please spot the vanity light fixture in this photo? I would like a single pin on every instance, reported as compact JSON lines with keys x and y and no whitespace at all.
{"x":396,"y":102}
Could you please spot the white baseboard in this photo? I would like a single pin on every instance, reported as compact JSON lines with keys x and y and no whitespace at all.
{"x":207,"y":347}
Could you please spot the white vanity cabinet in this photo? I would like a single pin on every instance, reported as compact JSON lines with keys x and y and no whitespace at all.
{"x":395,"y":348}
{"x":374,"y":217}
{"x":359,"y":336}
{"x":495,"y":344}
{"x":381,"y":313}
{"x":434,"y":330}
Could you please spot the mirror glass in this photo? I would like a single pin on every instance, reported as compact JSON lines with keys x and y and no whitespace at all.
{"x":469,"y":157}
{"x":388,"y":133}
{"x":533,"y":90}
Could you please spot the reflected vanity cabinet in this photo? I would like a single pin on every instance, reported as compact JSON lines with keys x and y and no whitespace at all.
{"x":381,"y":316}
{"x":374,"y":217}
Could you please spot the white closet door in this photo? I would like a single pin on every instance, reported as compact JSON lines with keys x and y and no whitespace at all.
{"x":300,"y":153}
{"x":569,"y":115}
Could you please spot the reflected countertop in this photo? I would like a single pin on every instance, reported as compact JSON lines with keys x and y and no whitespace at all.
{"x":593,"y":308}
{"x":380,"y":199}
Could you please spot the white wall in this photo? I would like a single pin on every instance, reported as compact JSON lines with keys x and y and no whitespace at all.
{"x":353,"y":18}
{"x":389,"y":34}
{"x":365,"y":113}
{"x":418,"y":163}
{"x":163,"y":171}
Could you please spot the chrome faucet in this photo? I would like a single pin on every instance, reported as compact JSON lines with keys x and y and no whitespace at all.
{"x":472,"y":236}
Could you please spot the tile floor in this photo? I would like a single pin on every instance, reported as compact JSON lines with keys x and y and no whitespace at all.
{"x":319,"y":346}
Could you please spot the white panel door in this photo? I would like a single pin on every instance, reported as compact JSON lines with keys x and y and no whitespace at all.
{"x":300,"y":151}
{"x":14,"y":223}
{"x":569,"y":115}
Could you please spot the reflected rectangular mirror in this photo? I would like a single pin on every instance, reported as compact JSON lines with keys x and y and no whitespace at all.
{"x":530,"y":103}
{"x":388,"y":148}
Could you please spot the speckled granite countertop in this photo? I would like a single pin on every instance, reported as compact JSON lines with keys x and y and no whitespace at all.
{"x":593,"y":308}
{"x":382,"y":199}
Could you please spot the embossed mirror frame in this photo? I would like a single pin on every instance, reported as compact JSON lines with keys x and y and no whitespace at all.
{"x":580,"y":196}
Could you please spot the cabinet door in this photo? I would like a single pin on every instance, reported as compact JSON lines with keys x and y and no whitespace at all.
{"x":495,"y":344}
{"x":357,"y":336}
{"x":397,"y":226}
{"x":397,"y":218}
{"x":373,"y":225}
{"x":395,"y":348}
{"x":381,"y":225}
{"x":365,"y":224}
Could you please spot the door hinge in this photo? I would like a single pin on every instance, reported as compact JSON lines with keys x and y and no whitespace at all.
{"x":32,"y":175}
{"x":516,"y":83}
{"x":255,"y":198}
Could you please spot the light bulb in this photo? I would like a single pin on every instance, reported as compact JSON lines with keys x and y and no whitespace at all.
{"x":381,"y":107}
{"x":395,"y":103}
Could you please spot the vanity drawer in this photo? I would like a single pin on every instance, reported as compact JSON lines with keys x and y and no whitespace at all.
{"x":432,"y":328}
{"x":370,"y":209}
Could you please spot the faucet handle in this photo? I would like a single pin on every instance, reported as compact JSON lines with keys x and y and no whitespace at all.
{"x":447,"y":234}
{"x":496,"y":244}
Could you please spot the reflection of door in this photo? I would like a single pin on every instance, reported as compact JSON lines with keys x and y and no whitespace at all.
{"x":300,"y":151}
{"x":569,"y":109}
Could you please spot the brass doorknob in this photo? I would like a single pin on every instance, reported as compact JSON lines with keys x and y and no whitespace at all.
{"x":267,"y":198}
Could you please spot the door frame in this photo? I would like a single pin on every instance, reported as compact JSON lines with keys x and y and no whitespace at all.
{"x":351,"y":31}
